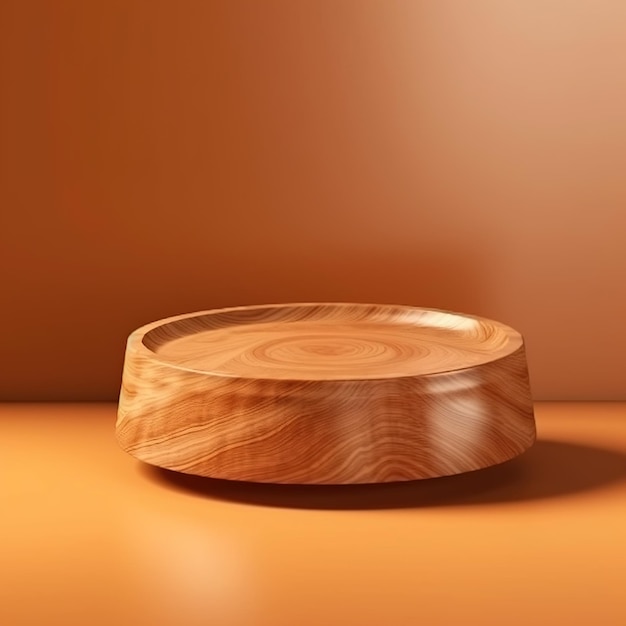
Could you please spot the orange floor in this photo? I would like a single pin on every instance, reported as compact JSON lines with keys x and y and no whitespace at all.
{"x":90,"y":536}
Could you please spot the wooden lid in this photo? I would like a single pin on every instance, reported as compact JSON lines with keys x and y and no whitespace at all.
{"x":327,"y":341}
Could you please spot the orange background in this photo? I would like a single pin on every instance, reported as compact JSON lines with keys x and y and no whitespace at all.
{"x":164,"y":157}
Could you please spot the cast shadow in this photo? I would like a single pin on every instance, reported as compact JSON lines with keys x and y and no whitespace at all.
{"x":550,"y":469}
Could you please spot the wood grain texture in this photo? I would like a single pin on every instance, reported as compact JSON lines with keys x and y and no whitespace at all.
{"x":325,"y":393}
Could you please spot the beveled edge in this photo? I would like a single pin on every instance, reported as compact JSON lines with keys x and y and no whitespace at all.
{"x":135,"y":342}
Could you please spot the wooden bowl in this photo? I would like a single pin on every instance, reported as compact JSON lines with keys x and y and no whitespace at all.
{"x":325,"y":393}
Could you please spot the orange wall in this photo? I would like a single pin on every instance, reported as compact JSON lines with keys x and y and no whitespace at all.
{"x":163,"y":157}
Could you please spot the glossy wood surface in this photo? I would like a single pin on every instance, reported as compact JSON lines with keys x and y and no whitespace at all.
{"x":325,"y":393}
{"x":90,"y":536}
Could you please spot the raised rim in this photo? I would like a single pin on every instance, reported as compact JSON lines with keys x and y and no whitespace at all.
{"x":135,"y":341}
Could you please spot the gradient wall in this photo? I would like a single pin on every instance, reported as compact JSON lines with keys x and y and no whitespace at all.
{"x":164,"y":157}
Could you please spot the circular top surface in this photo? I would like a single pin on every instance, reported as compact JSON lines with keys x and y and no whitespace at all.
{"x":327,"y":341}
